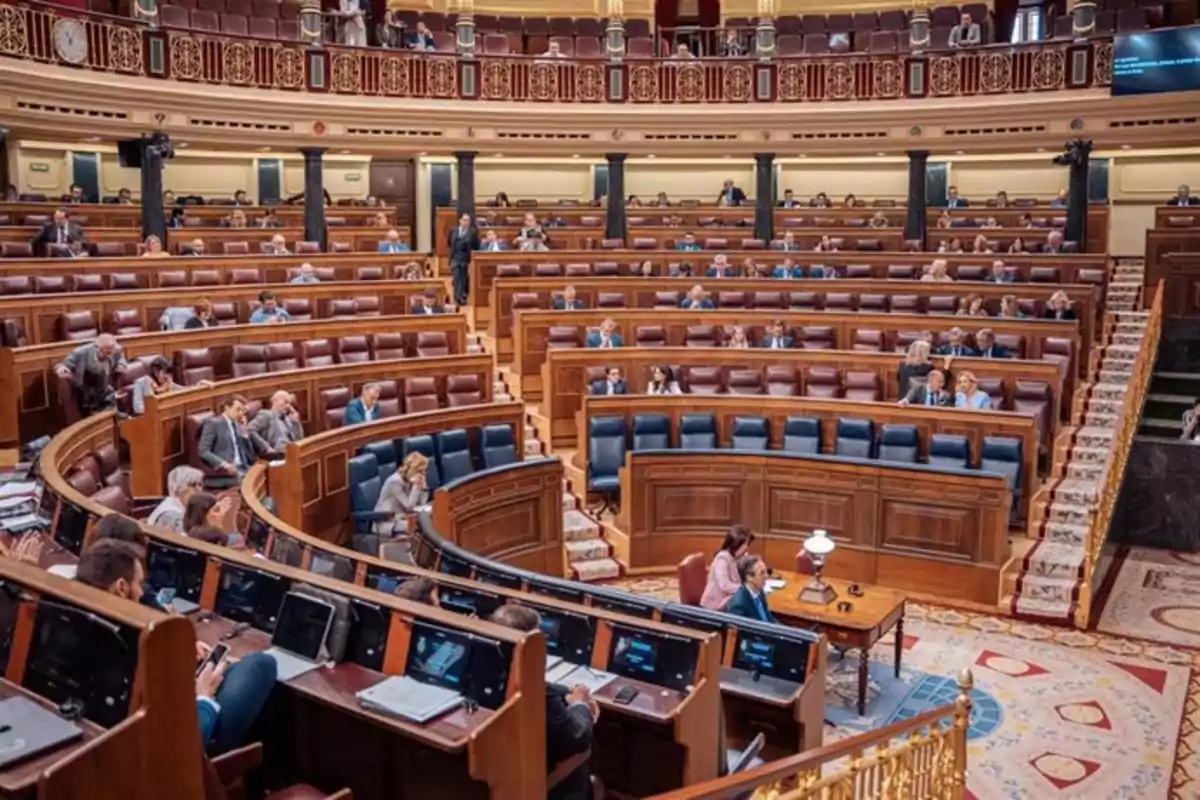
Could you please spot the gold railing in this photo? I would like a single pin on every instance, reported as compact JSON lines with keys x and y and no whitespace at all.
{"x":922,"y":758}
{"x":1126,"y":426}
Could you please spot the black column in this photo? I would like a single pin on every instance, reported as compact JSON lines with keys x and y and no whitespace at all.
{"x":314,"y":195}
{"x":914,"y":226}
{"x":156,"y":149}
{"x":764,"y":196}
{"x":4,"y":179}
{"x":1077,"y":193}
{"x":614,"y":212}
{"x":466,"y":182}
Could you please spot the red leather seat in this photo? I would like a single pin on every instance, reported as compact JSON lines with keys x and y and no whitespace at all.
{"x":342,"y":308}
{"x":16,"y":284}
{"x":822,"y":382}
{"x":243,"y":275}
{"x":704,"y":380}
{"x":193,"y":366}
{"x":666,"y":299}
{"x":650,"y":336}
{"x":88,"y":283}
{"x":367,"y":306}
{"x":813,"y":337}
{"x":281,"y":357}
{"x":298,"y":308}
{"x":249,"y":359}
{"x":316,"y":353}
{"x":463,"y":390}
{"x":171,"y":279}
{"x":868,"y":341}
{"x":387,"y":346}
{"x":124,"y":321}
{"x":701,"y":336}
{"x":389,"y":398}
{"x":77,"y":325}
{"x":353,"y":350}
{"x":563,"y":337}
{"x":432,"y":343}
{"x":122,"y":281}
{"x":745,"y":381}
{"x":781,"y":381}
{"x":862,"y":385}
{"x":420,"y":394}
{"x":50,"y":284}
{"x":693,"y":577}
{"x":368,"y":273}
{"x":331,"y":406}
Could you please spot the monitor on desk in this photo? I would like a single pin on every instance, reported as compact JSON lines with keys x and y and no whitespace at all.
{"x":470,"y":602}
{"x":383,"y":580}
{"x":559,"y":591}
{"x":658,"y":658}
{"x":75,"y":655}
{"x":47,"y":504}
{"x":569,"y":635}
{"x":248,"y":595}
{"x":438,"y":656}
{"x":303,"y":626}
{"x":453,"y":565}
{"x":177,"y":568}
{"x":257,"y":534}
{"x":366,"y":642}
{"x":331,"y":566}
{"x":696,"y":619}
{"x":776,"y":656}
{"x":497,"y":578}
{"x":71,"y":527}
{"x":631,"y":608}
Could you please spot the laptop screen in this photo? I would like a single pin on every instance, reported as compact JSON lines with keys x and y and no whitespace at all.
{"x":247,"y":595}
{"x":302,"y":626}
{"x":170,"y":567}
{"x":438,"y":656}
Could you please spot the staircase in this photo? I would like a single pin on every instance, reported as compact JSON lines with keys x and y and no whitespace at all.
{"x":587,"y":556}
{"x":1063,"y":510}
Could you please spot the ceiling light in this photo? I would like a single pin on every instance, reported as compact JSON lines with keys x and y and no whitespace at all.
{"x":651,"y":156}
{"x":264,"y":149}
{"x":575,"y":155}
{"x":345,"y":152}
{"x":1126,"y":146}
{"x":879,"y":154}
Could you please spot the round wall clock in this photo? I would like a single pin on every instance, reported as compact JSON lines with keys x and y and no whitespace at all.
{"x":70,"y":41}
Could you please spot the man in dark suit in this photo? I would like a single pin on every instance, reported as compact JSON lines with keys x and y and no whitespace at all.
{"x":953,"y":200}
{"x":571,"y":715}
{"x":1000,"y":273}
{"x":789,"y":200}
{"x":957,"y":346}
{"x":363,"y":408}
{"x":931,"y":393}
{"x":688,"y":244}
{"x":1054,"y":242}
{"x":776,"y":340}
{"x":427,"y":303}
{"x":696,"y":299}
{"x":1183,"y":197}
{"x":612,"y":384}
{"x":59,"y":230}
{"x":986,"y":342}
{"x":567,"y":301}
{"x":272,"y":428}
{"x":464,"y":240}
{"x":75,"y":196}
{"x":721,"y":268}
{"x":730,"y":195}
{"x":749,"y":600}
{"x":225,"y":447}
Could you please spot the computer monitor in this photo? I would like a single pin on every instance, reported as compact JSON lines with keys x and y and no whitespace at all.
{"x":699,"y":621}
{"x":383,"y":580}
{"x":487,"y":672}
{"x":558,"y":591}
{"x":285,"y":550}
{"x":332,"y":566}
{"x":257,"y":534}
{"x":569,"y":636}
{"x":71,"y":527}
{"x":438,"y":656}
{"x":658,"y":658}
{"x":247,"y":595}
{"x":776,"y":656}
{"x":453,"y":565}
{"x":630,"y":608}
{"x":178,"y":568}
{"x":77,"y":655}
{"x":303,"y":626}
{"x":366,"y":641}
{"x":498,"y":578}
{"x":471,"y":602}
{"x":47,"y":504}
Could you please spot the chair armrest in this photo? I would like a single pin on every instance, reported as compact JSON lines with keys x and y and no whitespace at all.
{"x":231,"y":767}
{"x":565,"y":767}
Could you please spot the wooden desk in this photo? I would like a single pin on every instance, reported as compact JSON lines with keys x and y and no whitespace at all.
{"x":355,"y":239}
{"x":1031,"y":238}
{"x":873,"y":614}
{"x":113,"y":215}
{"x":20,"y":780}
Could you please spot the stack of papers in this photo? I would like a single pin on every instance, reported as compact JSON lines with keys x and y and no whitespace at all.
{"x":569,"y":675}
{"x":409,"y":699}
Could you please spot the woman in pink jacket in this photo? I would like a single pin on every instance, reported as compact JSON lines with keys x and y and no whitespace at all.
{"x":723,"y":579}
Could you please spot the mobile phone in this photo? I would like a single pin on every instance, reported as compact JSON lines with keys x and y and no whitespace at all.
{"x":625,"y":695}
{"x":214,"y":657}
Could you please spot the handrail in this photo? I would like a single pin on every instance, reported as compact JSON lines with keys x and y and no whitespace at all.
{"x":1128,"y":418}
{"x":941,"y":730}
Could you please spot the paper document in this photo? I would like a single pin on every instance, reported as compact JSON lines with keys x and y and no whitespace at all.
{"x":409,"y":699}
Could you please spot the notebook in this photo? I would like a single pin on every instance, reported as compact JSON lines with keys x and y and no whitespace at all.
{"x":409,"y":699}
{"x":27,"y":729}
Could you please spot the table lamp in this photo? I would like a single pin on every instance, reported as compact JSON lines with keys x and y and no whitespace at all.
{"x":818,"y":546}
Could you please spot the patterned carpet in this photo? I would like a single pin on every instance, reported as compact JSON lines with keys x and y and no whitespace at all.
{"x":1060,"y":713}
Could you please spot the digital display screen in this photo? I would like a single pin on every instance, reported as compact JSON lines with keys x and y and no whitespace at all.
{"x":777,"y":657}
{"x":624,"y":607}
{"x":673,"y":616}
{"x":331,"y":566}
{"x":303,"y":624}
{"x":567,"y":593}
{"x":468,"y":602}
{"x":257,"y":534}
{"x":170,"y":567}
{"x":1149,"y":62}
{"x":71,"y":527}
{"x":485,"y":575}
{"x":75,"y":655}
{"x":569,"y":636}
{"x":454,"y":566}
{"x":384,"y":581}
{"x":438,"y":656}
{"x":657,"y":658}
{"x":247,"y":595}
{"x":634,"y":656}
{"x":367,"y":638}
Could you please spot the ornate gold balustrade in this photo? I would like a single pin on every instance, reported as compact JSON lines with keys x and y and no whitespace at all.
{"x":125,"y":47}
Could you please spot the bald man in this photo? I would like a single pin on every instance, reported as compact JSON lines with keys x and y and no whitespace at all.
{"x":272,"y":428}
{"x":92,"y":369}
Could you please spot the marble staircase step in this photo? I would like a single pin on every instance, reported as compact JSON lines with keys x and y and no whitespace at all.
{"x":1043,"y":608}
{"x":597,"y":570}
{"x":586,"y":550}
{"x":577,"y":526}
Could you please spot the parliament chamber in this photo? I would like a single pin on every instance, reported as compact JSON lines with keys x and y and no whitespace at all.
{"x":704,"y":400}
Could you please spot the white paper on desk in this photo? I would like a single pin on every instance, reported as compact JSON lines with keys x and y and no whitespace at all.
{"x":22,"y":522}
{"x":556,"y":673}
{"x":15,"y":501}
{"x":63,"y":571}
{"x":592,"y":679}
{"x":774,"y":585}
{"x":15,"y":488}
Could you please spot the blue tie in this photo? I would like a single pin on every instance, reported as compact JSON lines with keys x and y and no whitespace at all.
{"x":762,"y":609}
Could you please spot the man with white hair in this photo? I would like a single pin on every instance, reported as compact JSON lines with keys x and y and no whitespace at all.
{"x":306,"y":273}
{"x":272,"y":428}
{"x":278,"y":246}
{"x":1054,"y":242}
{"x":91,"y":368}
{"x":182,"y":483}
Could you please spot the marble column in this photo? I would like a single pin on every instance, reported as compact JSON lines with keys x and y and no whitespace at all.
{"x":314,"y":195}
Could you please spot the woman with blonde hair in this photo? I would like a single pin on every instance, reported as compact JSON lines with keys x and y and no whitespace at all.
{"x":937,"y":272}
{"x":969,"y":395}
{"x":405,"y":492}
{"x":152,"y":248}
{"x":916,"y":364}
{"x":737,"y":338}
{"x":1059,"y":307}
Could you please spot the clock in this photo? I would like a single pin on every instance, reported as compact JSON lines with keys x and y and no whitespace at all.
{"x":70,"y":41}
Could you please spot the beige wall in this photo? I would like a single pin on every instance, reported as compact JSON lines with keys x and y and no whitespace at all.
{"x":1032,"y":177}
{"x":45,"y":168}
{"x":865,"y":179}
{"x":547,"y":180}
{"x":686,"y":180}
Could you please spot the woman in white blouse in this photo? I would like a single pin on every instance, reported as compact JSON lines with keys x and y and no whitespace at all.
{"x":662,"y":381}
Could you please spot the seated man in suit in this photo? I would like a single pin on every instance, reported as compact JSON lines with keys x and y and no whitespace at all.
{"x":571,"y":715}
{"x":957,"y":346}
{"x":1183,"y":197}
{"x":75,"y":195}
{"x":787,"y":244}
{"x":613,"y":383}
{"x":967,"y":34}
{"x":749,"y":600}
{"x":787,"y":269}
{"x":688,"y":243}
{"x":229,"y":696}
{"x":392,"y":243}
{"x":491,"y":243}
{"x":567,"y":301}
{"x":696,"y":299}
{"x":775,"y":338}
{"x":606,"y":337}
{"x":953,"y":200}
{"x":789,"y":200}
{"x":931,"y":393}
{"x":59,"y":230}
{"x":720,"y":267}
{"x":1000,"y":273}
{"x":985,"y":340}
{"x":225,"y":447}
{"x":272,"y":428}
{"x":427,"y":303}
{"x":1054,"y":242}
{"x":363,"y":408}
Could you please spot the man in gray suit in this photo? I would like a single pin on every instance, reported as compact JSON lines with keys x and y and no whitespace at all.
{"x":272,"y":428}
{"x":967,"y":34}
{"x":224,"y":446}
{"x":92,"y":370}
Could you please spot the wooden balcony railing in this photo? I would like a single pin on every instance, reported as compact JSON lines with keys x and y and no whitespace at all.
{"x":125,"y":47}
{"x":921,"y":757}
